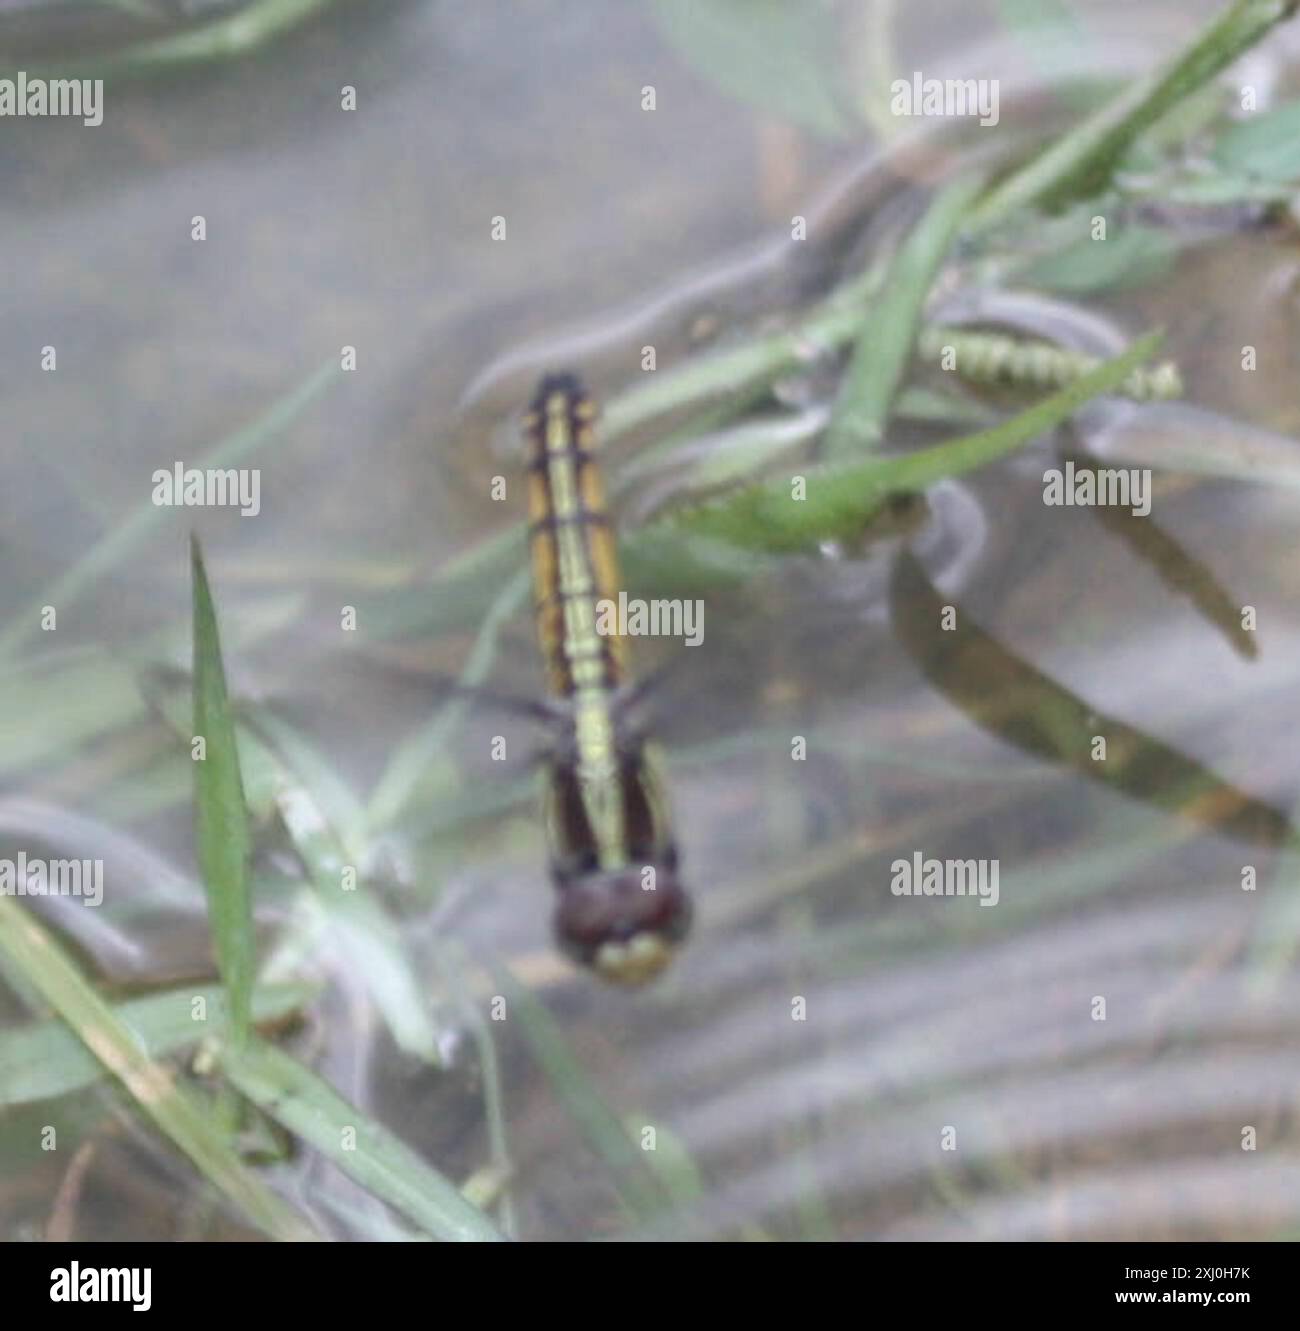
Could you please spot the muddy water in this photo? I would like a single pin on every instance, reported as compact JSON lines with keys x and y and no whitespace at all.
{"x":922,"y":1021}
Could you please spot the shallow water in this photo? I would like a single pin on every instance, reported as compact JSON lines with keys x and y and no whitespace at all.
{"x":920,"y":1016}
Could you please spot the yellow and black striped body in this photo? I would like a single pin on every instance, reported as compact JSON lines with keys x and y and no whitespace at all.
{"x":612,"y":856}
{"x":575,"y":562}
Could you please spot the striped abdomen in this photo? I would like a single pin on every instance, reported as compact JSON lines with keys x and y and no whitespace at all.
{"x":575,"y":563}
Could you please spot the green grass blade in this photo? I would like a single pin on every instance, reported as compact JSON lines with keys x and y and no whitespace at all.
{"x":738,"y":371}
{"x":221,"y":831}
{"x":840,"y":500}
{"x":888,"y":332}
{"x":284,"y":775}
{"x":45,"y":1059}
{"x":362,"y":1148}
{"x":46,"y":967}
{"x":1080,"y":164}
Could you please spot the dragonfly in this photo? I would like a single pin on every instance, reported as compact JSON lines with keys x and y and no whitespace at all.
{"x":622,"y":910}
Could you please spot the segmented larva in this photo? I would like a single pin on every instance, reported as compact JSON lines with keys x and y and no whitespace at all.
{"x":991,"y":358}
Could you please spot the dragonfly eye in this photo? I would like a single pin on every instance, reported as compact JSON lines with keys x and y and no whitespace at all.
{"x":624,"y":931}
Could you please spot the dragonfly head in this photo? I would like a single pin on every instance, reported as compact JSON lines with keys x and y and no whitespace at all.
{"x":624,"y":925}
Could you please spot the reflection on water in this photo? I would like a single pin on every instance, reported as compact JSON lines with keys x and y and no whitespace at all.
{"x":820,"y":1035}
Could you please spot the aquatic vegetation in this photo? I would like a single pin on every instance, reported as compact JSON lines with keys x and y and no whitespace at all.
{"x":798,"y":458}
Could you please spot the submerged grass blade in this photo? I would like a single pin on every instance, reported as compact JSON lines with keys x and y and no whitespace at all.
{"x":1266,"y":146}
{"x":325,"y":822}
{"x":221,"y":831}
{"x":1009,"y":698}
{"x":43,"y":964}
{"x":113,"y":547}
{"x":228,"y":38}
{"x":642,"y":1191}
{"x":840,"y":500}
{"x":1181,"y":572}
{"x":402,"y":775}
{"x":451,"y":963}
{"x":46,"y":1059}
{"x":888,"y":333}
{"x":363,"y":1149}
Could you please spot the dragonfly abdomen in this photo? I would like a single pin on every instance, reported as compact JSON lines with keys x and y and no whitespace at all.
{"x":575,"y":562}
